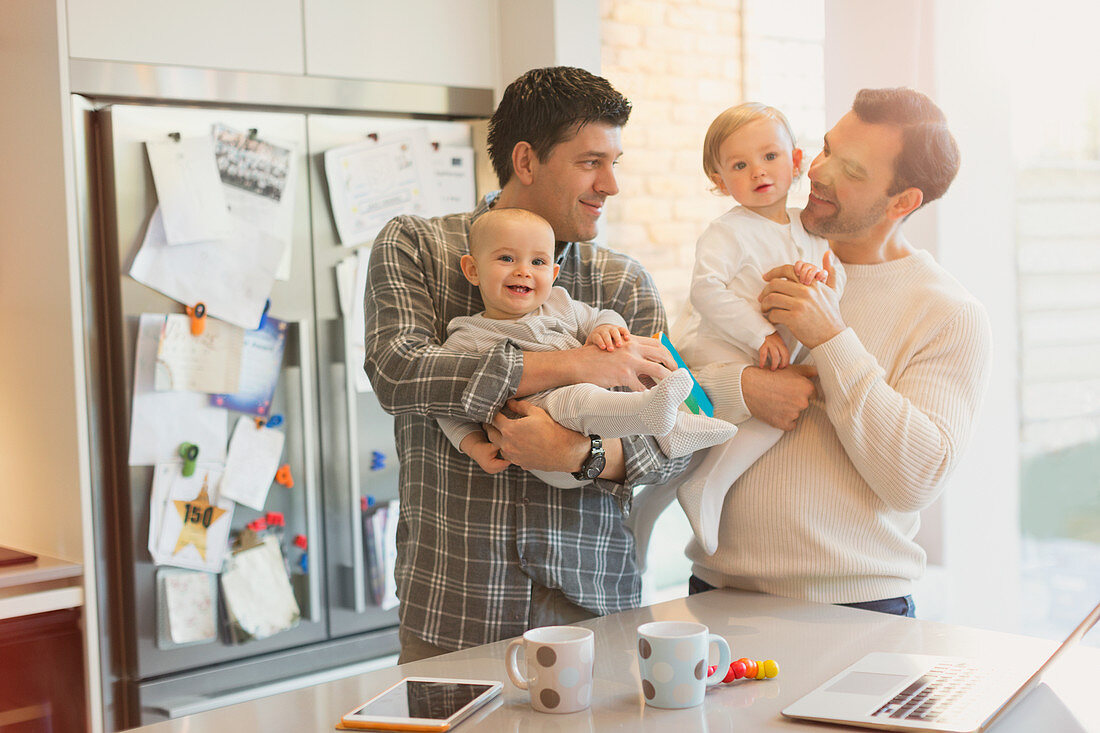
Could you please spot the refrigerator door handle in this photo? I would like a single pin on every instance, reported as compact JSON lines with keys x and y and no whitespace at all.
{"x":355,"y":511}
{"x":313,"y":524}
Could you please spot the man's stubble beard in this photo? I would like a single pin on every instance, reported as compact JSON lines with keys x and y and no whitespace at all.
{"x":841,"y":223}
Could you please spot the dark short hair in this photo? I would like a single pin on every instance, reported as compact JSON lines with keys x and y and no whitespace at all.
{"x":547,"y":106}
{"x":929,"y":157}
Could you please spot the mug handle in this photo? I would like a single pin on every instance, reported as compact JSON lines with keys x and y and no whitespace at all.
{"x":723,"y":665}
{"x":511,"y":663}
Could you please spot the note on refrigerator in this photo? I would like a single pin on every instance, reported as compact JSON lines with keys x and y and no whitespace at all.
{"x":373,"y":181}
{"x":257,"y":591}
{"x":189,"y":189}
{"x":209,"y":362}
{"x":345,"y":283}
{"x":233,"y":277}
{"x":374,"y":557}
{"x":261,"y":364}
{"x":254,"y":454}
{"x":454,"y":176}
{"x":389,"y":548}
{"x":188,"y":520}
{"x":355,"y":345}
{"x":188,"y":605}
{"x":259,"y":178}
{"x":161,"y":421}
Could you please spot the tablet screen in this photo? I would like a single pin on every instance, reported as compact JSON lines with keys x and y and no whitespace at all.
{"x":421,"y":699}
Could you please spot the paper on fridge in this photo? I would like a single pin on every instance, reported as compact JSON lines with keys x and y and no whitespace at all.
{"x":345,"y":283}
{"x":250,"y":467}
{"x":355,"y":325}
{"x":233,"y":277}
{"x":453,"y":167}
{"x":389,"y":547}
{"x":209,"y":362}
{"x":371,"y":182}
{"x":189,"y":189}
{"x":161,"y":421}
{"x":188,"y":520}
{"x":259,"y":178}
{"x":257,"y":591}
{"x":190,"y":605}
{"x":261,"y":364}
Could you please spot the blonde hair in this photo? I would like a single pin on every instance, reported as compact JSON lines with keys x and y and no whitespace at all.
{"x":729,"y":122}
{"x":490,"y":222}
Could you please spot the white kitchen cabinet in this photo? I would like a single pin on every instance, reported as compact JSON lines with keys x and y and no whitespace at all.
{"x":243,"y":35}
{"x":446,"y":42}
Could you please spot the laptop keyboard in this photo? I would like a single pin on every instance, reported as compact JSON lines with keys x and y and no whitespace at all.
{"x":941,"y":691}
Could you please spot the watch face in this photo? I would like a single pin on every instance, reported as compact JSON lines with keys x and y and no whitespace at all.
{"x":595,"y":466}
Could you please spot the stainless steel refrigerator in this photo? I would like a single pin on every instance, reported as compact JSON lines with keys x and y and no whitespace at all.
{"x":334,"y":433}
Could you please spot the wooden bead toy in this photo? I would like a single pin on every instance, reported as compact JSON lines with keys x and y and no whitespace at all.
{"x":745,"y":668}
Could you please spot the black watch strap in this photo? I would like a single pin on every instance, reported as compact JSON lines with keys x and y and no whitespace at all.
{"x":593,"y":465}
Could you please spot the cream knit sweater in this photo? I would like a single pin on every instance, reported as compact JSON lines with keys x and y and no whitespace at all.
{"x":829,"y":513}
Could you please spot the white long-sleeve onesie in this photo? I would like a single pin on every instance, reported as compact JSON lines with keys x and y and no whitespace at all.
{"x":724,"y":322}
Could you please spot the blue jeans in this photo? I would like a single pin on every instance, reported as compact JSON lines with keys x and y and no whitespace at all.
{"x":901,"y":606}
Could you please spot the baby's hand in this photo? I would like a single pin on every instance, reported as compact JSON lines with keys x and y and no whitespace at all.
{"x":607,"y":337}
{"x":808,"y":273}
{"x":477,"y":446}
{"x":775,"y":351}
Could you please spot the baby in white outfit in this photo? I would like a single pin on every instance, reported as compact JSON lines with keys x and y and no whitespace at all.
{"x":749,"y":154}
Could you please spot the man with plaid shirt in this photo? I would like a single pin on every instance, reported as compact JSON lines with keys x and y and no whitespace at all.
{"x":484,"y":557}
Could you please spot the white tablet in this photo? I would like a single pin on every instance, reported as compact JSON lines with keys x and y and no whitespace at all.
{"x":422,"y":704}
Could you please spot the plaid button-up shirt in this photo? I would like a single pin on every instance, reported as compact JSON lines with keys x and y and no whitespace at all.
{"x":470,"y":544}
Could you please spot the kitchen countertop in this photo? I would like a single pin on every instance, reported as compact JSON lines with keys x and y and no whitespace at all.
{"x":47,"y":584}
{"x":811,"y":642}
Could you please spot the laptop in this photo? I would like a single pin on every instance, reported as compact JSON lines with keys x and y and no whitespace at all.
{"x":925,"y":693}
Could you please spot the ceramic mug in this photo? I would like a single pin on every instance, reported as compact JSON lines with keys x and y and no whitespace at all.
{"x":558,"y":662}
{"x":672,"y":658}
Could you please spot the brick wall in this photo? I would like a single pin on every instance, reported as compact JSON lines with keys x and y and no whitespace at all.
{"x":681,"y":62}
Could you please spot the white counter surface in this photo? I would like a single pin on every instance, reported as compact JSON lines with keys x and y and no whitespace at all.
{"x":47,"y":584}
{"x":811,"y":641}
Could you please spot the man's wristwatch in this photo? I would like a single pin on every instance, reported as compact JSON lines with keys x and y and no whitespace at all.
{"x":594,"y":464}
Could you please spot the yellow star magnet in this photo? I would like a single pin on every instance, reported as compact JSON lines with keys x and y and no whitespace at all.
{"x":197,"y":515}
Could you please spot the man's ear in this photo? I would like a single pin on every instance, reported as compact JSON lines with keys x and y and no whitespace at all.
{"x":523,"y":162}
{"x":905,"y":203}
{"x":469,"y":269}
{"x":796,"y":157}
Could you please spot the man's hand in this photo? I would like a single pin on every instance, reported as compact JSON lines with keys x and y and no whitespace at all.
{"x":533,"y":441}
{"x":638,"y":364}
{"x":778,"y":398}
{"x":477,"y":446}
{"x":811,"y":312}
{"x":607,"y":337}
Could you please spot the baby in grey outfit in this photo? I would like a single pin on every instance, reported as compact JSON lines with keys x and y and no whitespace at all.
{"x":511,"y":261}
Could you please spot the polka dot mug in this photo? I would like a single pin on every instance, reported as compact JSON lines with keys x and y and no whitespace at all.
{"x":673,"y":660}
{"x":558,"y":662}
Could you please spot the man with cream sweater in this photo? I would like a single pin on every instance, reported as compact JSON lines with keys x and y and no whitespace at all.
{"x":830,"y":512}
